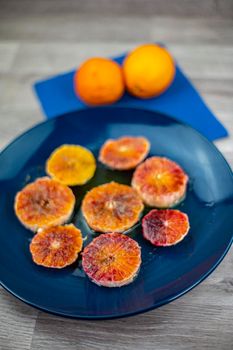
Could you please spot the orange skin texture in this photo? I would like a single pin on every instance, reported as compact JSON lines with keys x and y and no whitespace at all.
{"x":165,"y":227}
{"x":44,"y":203}
{"x":160,"y":182}
{"x":99,"y":81}
{"x":56,"y":246}
{"x":112,"y":260}
{"x":148,"y":71}
{"x":71,"y":165}
{"x":124,"y":153}
{"x":112,"y":207}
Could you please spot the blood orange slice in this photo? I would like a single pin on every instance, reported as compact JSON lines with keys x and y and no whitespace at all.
{"x":71,"y":165}
{"x":112,"y":260}
{"x":56,"y":246}
{"x":44,"y":203}
{"x":124,"y":153}
{"x":112,"y":207}
{"x":165,"y":227}
{"x":160,"y":182}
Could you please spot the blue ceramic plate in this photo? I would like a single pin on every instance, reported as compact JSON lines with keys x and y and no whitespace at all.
{"x":166,"y":273}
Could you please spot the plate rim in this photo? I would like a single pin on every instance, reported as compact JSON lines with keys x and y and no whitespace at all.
{"x":155,"y":305}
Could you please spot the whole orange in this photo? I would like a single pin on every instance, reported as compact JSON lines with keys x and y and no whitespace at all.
{"x":99,"y":81}
{"x":148,"y":71}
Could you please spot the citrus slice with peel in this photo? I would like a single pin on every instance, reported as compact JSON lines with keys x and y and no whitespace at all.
{"x":56,"y":246}
{"x":124,"y":153}
{"x":112,"y":207}
{"x":71,"y":165}
{"x":44,"y":203}
{"x":160,"y":182}
{"x":165,"y":227}
{"x":112,"y":260}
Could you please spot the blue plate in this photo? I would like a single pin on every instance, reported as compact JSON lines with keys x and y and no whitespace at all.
{"x":166,"y":273}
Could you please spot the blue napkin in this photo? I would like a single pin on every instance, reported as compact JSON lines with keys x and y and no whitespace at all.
{"x":180,"y":101}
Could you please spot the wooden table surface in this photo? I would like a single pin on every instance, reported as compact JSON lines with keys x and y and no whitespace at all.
{"x":42,"y":38}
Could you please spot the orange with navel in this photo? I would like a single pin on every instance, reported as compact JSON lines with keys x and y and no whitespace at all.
{"x":148,"y":71}
{"x":99,"y":81}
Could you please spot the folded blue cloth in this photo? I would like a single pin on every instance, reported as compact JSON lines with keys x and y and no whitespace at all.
{"x":180,"y":101}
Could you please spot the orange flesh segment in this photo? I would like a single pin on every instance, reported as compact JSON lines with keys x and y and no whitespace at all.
{"x":165,"y":227}
{"x":112,"y":260}
{"x":112,"y":207}
{"x":124,"y":153}
{"x":71,"y":165}
{"x":160,"y":182}
{"x":43,"y":203}
{"x":56,"y":246}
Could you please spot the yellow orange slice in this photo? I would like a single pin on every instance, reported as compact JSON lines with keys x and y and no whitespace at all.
{"x":71,"y":165}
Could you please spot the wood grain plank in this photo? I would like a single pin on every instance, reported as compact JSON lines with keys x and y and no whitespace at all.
{"x":17,"y":323}
{"x":129,"y":7}
{"x":199,"y":61}
{"x":7,"y":55}
{"x":225,"y":8}
{"x":180,"y":326}
{"x":75,"y":27}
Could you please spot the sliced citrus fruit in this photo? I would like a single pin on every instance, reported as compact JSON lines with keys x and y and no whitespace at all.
{"x":44,"y":203}
{"x":56,"y":246}
{"x":71,"y":165}
{"x":112,"y":207}
{"x":165,"y":227}
{"x":112,"y":260}
{"x":124,"y":153}
{"x":160,"y":182}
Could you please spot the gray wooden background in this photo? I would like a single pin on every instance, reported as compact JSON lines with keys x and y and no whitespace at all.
{"x":41,"y":38}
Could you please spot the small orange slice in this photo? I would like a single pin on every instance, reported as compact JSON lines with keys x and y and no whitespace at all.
{"x":112,"y":207}
{"x":160,"y":182}
{"x":112,"y":260}
{"x":124,"y":153}
{"x":56,"y":246}
{"x":44,"y":203}
{"x":71,"y":165}
{"x":165,"y":227}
